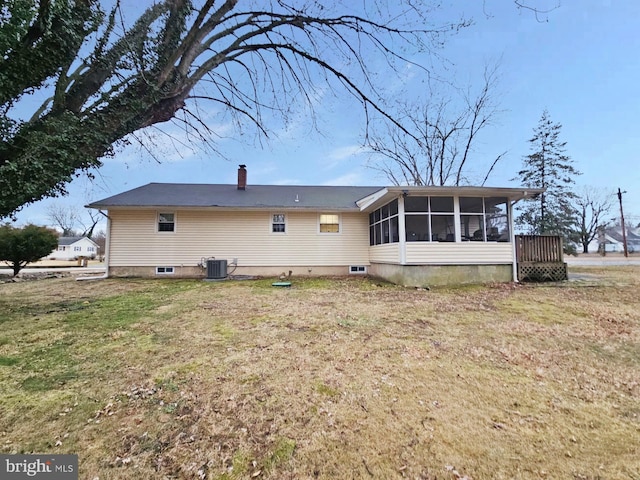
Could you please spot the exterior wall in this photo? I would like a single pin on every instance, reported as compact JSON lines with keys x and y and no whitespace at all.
{"x":70,"y":253}
{"x":386,"y":253}
{"x":459,"y":253}
{"x":432,"y":275}
{"x":135,"y":241}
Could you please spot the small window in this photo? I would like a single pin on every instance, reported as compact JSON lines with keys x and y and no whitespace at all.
{"x":61,"y":249}
{"x":166,"y":222}
{"x":164,"y":270}
{"x":278,"y":223}
{"x":329,"y":223}
{"x":357,"y":269}
{"x":91,"y":249}
{"x":77,"y":249}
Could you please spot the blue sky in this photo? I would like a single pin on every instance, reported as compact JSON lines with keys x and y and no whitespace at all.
{"x":581,"y":63}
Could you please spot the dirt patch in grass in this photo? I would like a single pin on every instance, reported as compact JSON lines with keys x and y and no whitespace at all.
{"x":331,"y":378}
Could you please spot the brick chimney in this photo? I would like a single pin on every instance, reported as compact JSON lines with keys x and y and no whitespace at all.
{"x":242,"y":177}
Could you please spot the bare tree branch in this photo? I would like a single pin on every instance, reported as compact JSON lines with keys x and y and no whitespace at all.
{"x":252,"y":58}
{"x":592,"y":206}
{"x":435,"y":144}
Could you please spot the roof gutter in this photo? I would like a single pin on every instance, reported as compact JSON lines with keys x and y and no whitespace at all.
{"x":106,"y":255}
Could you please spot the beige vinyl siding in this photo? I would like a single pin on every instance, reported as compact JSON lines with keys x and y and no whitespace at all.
{"x":386,"y":253}
{"x":463,"y":253}
{"x":244,"y":235}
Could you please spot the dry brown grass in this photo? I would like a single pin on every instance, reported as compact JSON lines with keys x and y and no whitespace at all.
{"x":333,"y":378}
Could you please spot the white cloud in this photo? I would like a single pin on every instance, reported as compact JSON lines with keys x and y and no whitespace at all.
{"x":342,"y":153}
{"x":352,"y":178}
{"x":169,"y":143}
{"x":337,"y":156}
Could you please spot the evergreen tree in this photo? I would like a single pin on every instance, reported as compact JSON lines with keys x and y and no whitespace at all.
{"x":19,"y":246}
{"x":549,"y":167}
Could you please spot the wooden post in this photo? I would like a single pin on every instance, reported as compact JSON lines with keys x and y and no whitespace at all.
{"x":624,"y":230}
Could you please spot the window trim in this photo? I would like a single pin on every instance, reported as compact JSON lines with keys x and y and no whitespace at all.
{"x":320,"y":223}
{"x":357,"y":269}
{"x":272,"y":223}
{"x":167,"y":271}
{"x":165,"y":212}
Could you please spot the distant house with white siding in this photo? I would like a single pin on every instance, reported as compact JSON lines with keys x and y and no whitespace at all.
{"x":408,"y":235}
{"x":70,"y":248}
{"x":611,"y":240}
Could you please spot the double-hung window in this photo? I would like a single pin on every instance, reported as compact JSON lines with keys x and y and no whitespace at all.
{"x":329,"y":223}
{"x":278,"y":223}
{"x":166,"y":222}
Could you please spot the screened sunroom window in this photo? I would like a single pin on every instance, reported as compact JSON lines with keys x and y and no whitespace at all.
{"x":484,"y":219}
{"x":429,"y":219}
{"x":383,"y":224}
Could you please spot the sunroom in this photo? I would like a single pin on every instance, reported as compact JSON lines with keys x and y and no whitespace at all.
{"x":441,"y":235}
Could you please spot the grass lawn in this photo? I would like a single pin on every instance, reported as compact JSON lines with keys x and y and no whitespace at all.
{"x":332,"y":378}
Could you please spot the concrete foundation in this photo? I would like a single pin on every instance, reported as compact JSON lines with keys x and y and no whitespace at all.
{"x":197,"y":272}
{"x":409,"y":275}
{"x":427,"y":275}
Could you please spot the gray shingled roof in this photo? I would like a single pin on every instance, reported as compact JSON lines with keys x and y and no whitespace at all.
{"x":255,"y":196}
{"x":68,"y":240}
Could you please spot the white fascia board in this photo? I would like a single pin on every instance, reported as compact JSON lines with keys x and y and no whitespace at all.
{"x":365,"y":202}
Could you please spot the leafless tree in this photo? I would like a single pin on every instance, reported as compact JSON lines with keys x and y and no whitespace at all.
{"x":437,"y":138}
{"x":89,"y":226}
{"x":592,"y":205}
{"x":68,"y":217}
{"x":258,"y":61}
{"x":101,"y":240}
{"x":64,"y":217}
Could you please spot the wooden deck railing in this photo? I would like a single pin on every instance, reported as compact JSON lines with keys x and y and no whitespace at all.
{"x":539,"y":248}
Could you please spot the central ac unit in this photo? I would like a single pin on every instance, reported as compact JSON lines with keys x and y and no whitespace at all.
{"x":216,"y":269}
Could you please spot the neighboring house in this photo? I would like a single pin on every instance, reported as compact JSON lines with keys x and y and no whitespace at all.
{"x":613,"y":242}
{"x":70,"y":248}
{"x":408,"y":235}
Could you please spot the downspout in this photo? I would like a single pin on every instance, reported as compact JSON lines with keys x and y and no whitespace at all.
{"x":107,"y":243}
{"x":512,"y":235}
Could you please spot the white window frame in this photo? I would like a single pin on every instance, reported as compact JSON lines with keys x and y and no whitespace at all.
{"x":320,"y":223}
{"x":77,"y":249}
{"x":165,"y":270}
{"x":272,"y":223}
{"x":158,"y":222}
